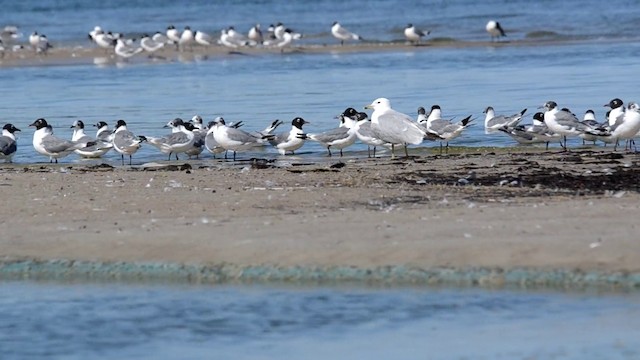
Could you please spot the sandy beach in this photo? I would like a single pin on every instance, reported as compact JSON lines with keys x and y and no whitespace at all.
{"x":475,"y":208}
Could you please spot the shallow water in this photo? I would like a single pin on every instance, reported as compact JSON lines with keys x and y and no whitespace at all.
{"x":108,"y":321}
{"x":259,"y":89}
{"x":584,"y":69}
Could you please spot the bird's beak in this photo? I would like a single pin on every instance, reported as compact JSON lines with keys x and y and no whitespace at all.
{"x":606,"y":105}
{"x":16,"y":129}
{"x":541,"y":107}
{"x":33,"y":124}
{"x":165,"y":127}
{"x":370,"y":106}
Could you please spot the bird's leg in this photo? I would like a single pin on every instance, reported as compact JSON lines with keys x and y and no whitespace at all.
{"x":329,"y":150}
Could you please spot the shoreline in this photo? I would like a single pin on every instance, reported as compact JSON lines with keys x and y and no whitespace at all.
{"x":70,"y":55}
{"x":477,"y":218}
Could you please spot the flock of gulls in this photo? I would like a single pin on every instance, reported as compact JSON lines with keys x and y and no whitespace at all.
{"x":385,"y":127}
{"x":277,"y":36}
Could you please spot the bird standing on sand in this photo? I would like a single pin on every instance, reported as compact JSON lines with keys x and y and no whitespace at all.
{"x":495,"y":30}
{"x":45,"y":143}
{"x":8,"y":145}
{"x":125,"y":142}
{"x":394,"y":127}
{"x":414,"y":35}
{"x":343,"y":34}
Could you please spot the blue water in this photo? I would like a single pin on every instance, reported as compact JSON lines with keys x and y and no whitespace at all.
{"x":257,"y":89}
{"x":116,"y":321}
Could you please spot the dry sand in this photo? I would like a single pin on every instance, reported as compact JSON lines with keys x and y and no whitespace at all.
{"x":476,"y":209}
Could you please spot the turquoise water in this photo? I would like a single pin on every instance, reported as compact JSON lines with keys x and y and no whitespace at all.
{"x":119,"y":321}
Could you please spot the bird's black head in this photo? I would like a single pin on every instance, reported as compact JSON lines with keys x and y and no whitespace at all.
{"x":40,"y":123}
{"x":78,"y":124}
{"x":615,"y":103}
{"x":298,"y":122}
{"x":361,"y":116}
{"x":421,"y":111}
{"x":100,"y":124}
{"x":120,"y":123}
{"x":10,"y":128}
{"x":550,"y":105}
{"x":538,"y":116}
{"x":350,"y":112}
{"x":409,"y":25}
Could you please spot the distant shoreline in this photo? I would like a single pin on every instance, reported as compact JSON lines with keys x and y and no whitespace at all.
{"x":88,"y":55}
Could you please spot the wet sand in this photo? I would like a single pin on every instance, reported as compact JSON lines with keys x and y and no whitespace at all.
{"x":473,"y":209}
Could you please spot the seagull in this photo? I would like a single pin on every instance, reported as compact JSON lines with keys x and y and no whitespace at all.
{"x":180,"y":139}
{"x":126,"y":51}
{"x":626,"y":127}
{"x":9,"y":34}
{"x":105,"y":41}
{"x":445,"y":129}
{"x":198,"y":140}
{"x":278,"y":30}
{"x":495,"y":30}
{"x":414,"y":35}
{"x":39,"y":43}
{"x":103,"y":133}
{"x":92,"y":34}
{"x":589,"y":119}
{"x":493,"y":122}
{"x":234,"y":139}
{"x":340,"y":137}
{"x":95,"y":151}
{"x":186,"y":39}
{"x":149,"y":45}
{"x":617,"y":110}
{"x":394,"y":127}
{"x":290,"y":141}
{"x":45,"y":143}
{"x":565,"y":123}
{"x":363,"y":130}
{"x":125,"y":142}
{"x":173,"y":35}
{"x":255,"y":34}
{"x":202,"y":38}
{"x":209,"y":140}
{"x":8,"y":146}
{"x":343,"y":34}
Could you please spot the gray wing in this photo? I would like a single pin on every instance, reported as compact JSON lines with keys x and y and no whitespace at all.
{"x":55,"y":145}
{"x":124,"y":139}
{"x":441,"y":126}
{"x":330,"y":135}
{"x":365,"y":129}
{"x":566,"y":118}
{"x":7,"y":145}
{"x":198,"y":138}
{"x":176,"y":138}
{"x":397,"y":128}
{"x":279,"y":138}
{"x":240,"y":136}
{"x":499,"y":120}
